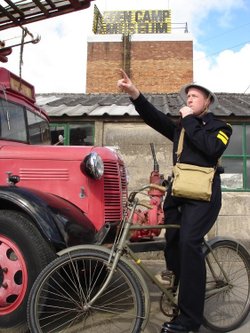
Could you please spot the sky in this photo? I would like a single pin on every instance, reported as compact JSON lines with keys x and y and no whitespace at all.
{"x":221,"y":40}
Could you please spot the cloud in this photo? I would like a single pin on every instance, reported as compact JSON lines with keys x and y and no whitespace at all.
{"x":196,"y":11}
{"x":228,"y":72}
{"x":58,"y":62}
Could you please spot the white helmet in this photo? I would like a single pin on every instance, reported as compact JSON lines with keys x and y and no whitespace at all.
{"x":184,"y":91}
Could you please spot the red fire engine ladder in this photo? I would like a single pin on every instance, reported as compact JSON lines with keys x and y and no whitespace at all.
{"x":16,"y":13}
{"x":19,"y":12}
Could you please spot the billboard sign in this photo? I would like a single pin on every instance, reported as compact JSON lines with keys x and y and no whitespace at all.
{"x":132,"y":22}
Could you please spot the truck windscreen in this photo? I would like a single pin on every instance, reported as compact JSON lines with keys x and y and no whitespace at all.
{"x":20,"y":124}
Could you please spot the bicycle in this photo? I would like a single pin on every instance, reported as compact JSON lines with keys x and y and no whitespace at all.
{"x":91,"y":288}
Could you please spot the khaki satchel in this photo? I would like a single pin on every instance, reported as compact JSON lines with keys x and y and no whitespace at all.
{"x":191,"y":181}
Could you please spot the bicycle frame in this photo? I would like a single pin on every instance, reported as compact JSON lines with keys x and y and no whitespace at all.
{"x":93,"y":295}
{"x":121,"y":247}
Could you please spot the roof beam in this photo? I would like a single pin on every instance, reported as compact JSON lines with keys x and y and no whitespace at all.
{"x":15,"y":8}
{"x":41,"y":7}
{"x":19,"y":13}
{"x":75,"y":3}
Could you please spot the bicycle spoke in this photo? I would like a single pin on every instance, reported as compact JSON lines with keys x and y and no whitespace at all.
{"x":228,"y":287}
{"x":63,"y":297}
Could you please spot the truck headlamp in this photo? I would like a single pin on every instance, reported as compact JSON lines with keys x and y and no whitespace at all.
{"x":93,"y":166}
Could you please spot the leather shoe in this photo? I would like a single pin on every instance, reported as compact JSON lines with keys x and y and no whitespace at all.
{"x":171,"y":327}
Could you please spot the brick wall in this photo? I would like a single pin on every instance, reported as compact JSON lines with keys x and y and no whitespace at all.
{"x":155,"y":66}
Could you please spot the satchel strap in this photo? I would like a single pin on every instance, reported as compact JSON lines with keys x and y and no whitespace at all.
{"x":180,"y":148}
{"x":180,"y":144}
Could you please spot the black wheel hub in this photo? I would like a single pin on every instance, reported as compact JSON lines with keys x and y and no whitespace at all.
{"x":1,"y":276}
{"x":2,"y":271}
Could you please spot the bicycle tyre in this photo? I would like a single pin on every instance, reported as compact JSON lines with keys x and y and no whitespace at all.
{"x":59,"y":298}
{"x":228,"y":305}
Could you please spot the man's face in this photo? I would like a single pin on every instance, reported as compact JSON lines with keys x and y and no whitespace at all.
{"x":197,"y":100}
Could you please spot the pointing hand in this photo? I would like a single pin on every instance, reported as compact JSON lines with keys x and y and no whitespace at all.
{"x":126,"y":85}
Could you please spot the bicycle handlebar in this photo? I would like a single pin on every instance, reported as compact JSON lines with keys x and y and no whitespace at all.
{"x":132,"y":195}
{"x":157,"y":187}
{"x":145,"y":204}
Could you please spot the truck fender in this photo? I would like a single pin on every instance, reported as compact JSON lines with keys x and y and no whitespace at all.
{"x":60,"y":222}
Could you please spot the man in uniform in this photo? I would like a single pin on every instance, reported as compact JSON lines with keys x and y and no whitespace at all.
{"x":205,"y":140}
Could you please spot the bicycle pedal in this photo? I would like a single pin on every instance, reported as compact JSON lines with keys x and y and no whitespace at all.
{"x":163,"y":281}
{"x":166,"y":278}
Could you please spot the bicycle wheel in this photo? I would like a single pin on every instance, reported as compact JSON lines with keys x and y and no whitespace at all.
{"x":227,"y":302}
{"x":59,"y":299}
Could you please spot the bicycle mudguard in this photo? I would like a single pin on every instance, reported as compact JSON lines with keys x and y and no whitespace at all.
{"x":125,"y":261}
{"x":219,"y":239}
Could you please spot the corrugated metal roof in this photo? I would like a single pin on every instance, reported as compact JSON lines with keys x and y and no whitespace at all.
{"x":75,"y":105}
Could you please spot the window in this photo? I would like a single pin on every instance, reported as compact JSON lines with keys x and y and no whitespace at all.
{"x":38,"y":129}
{"x":58,"y":134}
{"x":73,"y":134}
{"x":236,"y":160}
{"x":81,"y":135}
{"x":19,"y":124}
{"x":12,"y":122}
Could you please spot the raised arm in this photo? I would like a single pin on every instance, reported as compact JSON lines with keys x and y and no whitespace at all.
{"x":126,"y":85}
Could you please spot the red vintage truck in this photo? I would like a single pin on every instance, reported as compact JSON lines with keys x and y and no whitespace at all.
{"x":51,"y":197}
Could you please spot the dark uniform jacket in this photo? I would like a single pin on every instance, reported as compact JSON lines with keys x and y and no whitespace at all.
{"x":205,"y":140}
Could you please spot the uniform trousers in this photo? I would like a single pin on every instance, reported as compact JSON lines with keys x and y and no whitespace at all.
{"x":183,"y":250}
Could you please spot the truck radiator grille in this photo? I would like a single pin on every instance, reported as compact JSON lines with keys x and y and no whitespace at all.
{"x":115,"y":191}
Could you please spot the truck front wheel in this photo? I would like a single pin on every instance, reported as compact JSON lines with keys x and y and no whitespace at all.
{"x":23,"y":254}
